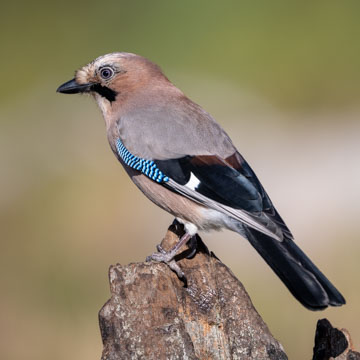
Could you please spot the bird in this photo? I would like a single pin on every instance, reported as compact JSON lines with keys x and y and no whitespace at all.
{"x":184,"y":162}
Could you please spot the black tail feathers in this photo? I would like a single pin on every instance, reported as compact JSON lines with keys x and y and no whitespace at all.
{"x":304,"y":280}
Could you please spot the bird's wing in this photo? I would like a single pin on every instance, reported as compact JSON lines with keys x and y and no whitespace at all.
{"x":190,"y":148}
{"x":227,"y":185}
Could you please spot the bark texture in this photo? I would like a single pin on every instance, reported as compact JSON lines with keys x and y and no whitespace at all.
{"x":332,"y":343}
{"x":152,"y":315}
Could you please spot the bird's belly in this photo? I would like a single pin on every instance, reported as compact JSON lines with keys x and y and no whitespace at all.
{"x":215,"y":220}
{"x":178,"y":205}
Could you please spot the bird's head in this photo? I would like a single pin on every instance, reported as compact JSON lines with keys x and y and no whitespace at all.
{"x":113,"y":77}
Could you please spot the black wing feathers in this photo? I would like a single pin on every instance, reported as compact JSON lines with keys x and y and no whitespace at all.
{"x":228,"y":181}
{"x":175,"y":169}
{"x":218,"y":181}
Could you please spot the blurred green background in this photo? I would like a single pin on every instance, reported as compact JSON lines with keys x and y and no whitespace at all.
{"x":282,"y":77}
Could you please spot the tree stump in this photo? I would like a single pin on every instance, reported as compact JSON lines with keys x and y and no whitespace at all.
{"x":153,"y":315}
{"x":332,"y":343}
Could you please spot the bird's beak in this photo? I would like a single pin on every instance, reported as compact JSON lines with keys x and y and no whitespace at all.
{"x":72,"y":87}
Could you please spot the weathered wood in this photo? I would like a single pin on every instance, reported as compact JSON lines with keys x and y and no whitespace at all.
{"x":152,"y":315}
{"x":332,"y":343}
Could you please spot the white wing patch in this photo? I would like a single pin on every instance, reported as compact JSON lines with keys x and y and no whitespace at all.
{"x":193,"y":182}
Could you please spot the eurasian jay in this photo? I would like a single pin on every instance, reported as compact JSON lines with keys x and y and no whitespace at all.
{"x":184,"y":162}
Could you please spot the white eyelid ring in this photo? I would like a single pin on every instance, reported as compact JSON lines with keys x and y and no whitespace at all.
{"x":106,"y":73}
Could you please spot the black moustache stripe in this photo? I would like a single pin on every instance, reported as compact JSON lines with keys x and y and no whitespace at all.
{"x":105,"y":92}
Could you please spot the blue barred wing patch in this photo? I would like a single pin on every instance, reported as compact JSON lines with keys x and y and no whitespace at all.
{"x":147,"y":167}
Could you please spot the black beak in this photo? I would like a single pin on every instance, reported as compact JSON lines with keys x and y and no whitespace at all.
{"x":72,"y":87}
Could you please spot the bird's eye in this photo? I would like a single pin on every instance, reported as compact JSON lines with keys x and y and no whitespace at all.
{"x":106,"y":73}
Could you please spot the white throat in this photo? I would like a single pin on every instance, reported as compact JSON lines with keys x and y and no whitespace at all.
{"x":105,"y":107}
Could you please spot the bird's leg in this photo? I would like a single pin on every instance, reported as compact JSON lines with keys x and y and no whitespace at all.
{"x":193,"y":246}
{"x":168,"y":256}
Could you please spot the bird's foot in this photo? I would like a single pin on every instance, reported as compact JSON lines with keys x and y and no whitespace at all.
{"x":168,"y":257}
{"x":161,"y":255}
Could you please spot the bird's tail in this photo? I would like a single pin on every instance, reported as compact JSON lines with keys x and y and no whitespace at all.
{"x":304,"y":280}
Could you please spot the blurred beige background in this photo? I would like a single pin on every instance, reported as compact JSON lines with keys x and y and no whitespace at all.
{"x":283,"y":80}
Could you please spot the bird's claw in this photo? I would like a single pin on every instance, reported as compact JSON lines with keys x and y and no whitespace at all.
{"x":160,"y":249}
{"x":173,"y":265}
{"x":161,"y":256}
{"x":167,"y":258}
